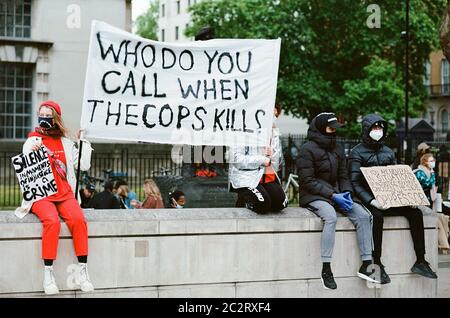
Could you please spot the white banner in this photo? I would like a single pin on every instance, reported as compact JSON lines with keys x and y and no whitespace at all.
{"x":216,"y":92}
{"x":35,"y":175}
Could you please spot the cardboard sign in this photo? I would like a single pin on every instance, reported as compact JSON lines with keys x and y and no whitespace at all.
{"x":215,"y":92}
{"x":35,"y":175}
{"x":395,"y":186}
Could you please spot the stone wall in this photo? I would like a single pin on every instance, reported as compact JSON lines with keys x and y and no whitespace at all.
{"x":229,"y":252}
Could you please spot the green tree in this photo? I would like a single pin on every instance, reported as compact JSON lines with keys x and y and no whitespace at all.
{"x":379,"y":90}
{"x":147,"y":23}
{"x":301,"y":88}
{"x":328,"y":51}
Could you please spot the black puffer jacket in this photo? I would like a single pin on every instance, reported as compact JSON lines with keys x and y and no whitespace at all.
{"x":321,"y":168}
{"x":369,"y":153}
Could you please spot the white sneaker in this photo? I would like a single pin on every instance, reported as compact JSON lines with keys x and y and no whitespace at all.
{"x":84,"y":280}
{"x":50,"y":287}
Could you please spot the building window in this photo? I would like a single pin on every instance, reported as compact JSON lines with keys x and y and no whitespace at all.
{"x":178,"y":7}
{"x":444,"y":121}
{"x":176,"y":33}
{"x":189,"y":3}
{"x":444,"y":77}
{"x":163,"y":10}
{"x":16,"y":82}
{"x":427,"y":77}
{"x":15,"y":18}
{"x":163,"y":36}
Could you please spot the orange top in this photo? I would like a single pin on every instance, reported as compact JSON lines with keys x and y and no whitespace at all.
{"x":55,"y":145}
{"x":268,"y":176}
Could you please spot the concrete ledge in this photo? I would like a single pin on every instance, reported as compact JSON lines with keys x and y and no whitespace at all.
{"x":226,"y":252}
{"x":417,"y":286}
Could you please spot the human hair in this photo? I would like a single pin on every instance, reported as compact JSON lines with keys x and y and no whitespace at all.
{"x":278,"y":108}
{"x":59,"y":124}
{"x":425,"y":157}
{"x":151,"y":189}
{"x":119,"y":183}
{"x":205,"y":33}
{"x":422,"y":149}
{"x":123,"y":190}
{"x":109,"y":185}
{"x":177,"y":194}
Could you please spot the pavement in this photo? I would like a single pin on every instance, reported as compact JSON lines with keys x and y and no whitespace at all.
{"x":444,"y":276}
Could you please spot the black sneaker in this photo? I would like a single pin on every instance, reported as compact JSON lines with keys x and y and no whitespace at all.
{"x":328,"y":280}
{"x":365,"y":274}
{"x":385,"y":279}
{"x":424,"y":269}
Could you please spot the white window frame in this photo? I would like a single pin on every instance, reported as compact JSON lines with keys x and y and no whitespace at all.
{"x":445,"y":77}
{"x":444,"y":121}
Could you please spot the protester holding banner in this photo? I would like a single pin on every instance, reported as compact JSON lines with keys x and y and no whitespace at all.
{"x":371,"y":153}
{"x":325,"y":189}
{"x":276,"y":131}
{"x":253,"y":175}
{"x":427,"y":178}
{"x":63,"y":156}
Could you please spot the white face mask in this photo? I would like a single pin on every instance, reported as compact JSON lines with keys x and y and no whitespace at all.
{"x":376,"y":134}
{"x":432,"y":164}
{"x":179,"y":206}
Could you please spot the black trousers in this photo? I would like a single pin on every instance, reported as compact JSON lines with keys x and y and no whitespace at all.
{"x":415,"y":219}
{"x":265,"y":198}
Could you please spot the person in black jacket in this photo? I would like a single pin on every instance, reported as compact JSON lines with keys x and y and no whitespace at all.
{"x":86,"y":195}
{"x":325,"y":188}
{"x":371,"y":153}
{"x":105,"y":199}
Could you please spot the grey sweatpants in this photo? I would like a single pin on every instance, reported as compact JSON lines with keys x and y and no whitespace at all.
{"x":360,"y":217}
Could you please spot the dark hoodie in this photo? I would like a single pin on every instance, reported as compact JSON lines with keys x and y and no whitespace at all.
{"x":321,"y":167}
{"x":369,"y":153}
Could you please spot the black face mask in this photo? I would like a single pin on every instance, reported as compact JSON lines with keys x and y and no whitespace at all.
{"x":329,"y":142}
{"x":45,"y":122}
{"x":332,"y":139}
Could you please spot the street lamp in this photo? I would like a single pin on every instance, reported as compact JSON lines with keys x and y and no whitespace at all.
{"x":406,"y":36}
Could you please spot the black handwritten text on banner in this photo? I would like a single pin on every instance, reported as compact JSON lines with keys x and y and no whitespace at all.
{"x":35,"y":175}
{"x":217,"y":92}
{"x":395,"y":186}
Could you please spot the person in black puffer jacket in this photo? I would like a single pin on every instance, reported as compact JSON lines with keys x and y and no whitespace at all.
{"x":371,"y":153}
{"x":325,"y":188}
